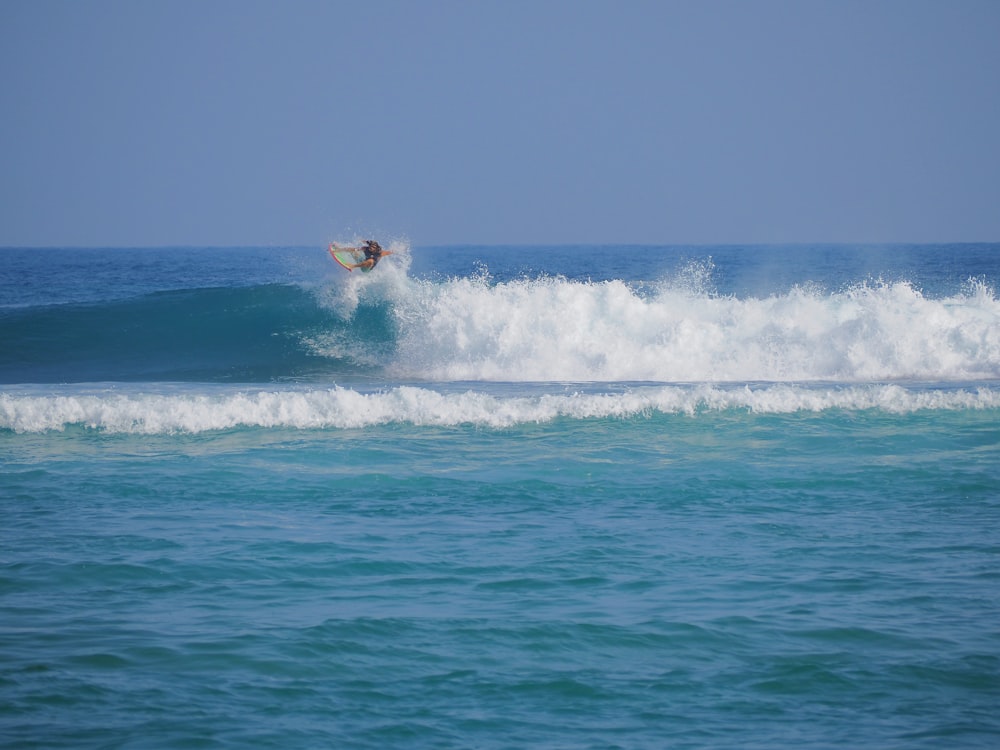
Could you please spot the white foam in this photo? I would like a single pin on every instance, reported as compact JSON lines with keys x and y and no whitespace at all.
{"x":345,"y":408}
{"x":552,"y":329}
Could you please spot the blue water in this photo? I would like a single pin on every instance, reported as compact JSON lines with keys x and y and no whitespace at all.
{"x":501,"y":497}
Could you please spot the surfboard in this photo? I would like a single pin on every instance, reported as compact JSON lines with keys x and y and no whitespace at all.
{"x":345,"y":258}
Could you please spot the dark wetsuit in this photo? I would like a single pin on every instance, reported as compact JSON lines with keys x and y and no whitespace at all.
{"x":373,"y":253}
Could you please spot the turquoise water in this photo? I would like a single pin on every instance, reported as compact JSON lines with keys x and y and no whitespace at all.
{"x":501,"y":497}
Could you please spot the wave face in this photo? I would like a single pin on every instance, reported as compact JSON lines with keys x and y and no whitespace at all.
{"x":472,"y":329}
{"x":247,"y":334}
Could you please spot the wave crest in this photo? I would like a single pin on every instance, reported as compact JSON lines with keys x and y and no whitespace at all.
{"x":345,"y":408}
{"x":553,"y":329}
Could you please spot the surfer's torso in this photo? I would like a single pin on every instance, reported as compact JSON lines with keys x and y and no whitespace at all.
{"x":373,"y":252}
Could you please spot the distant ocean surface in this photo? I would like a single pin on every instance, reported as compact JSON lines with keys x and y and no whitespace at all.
{"x":501,"y":497}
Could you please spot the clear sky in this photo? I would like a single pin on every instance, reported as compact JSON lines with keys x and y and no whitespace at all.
{"x":292,"y":122}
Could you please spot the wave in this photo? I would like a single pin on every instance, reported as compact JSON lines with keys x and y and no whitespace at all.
{"x":243,"y":334}
{"x":548,"y":329}
{"x":345,"y":408}
{"x":552,"y":329}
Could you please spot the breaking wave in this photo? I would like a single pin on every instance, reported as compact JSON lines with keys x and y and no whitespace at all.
{"x":543,"y":329}
{"x":346,"y":408}
{"x":553,"y":329}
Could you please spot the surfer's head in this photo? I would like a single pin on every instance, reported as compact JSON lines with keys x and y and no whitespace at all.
{"x":373,"y":246}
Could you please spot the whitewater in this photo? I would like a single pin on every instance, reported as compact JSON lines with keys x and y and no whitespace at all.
{"x":678,"y":328}
{"x":343,"y":408}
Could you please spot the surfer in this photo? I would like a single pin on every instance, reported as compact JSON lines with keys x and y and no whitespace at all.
{"x":372,"y":250}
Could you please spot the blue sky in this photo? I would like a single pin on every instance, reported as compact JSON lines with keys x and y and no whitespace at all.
{"x":217,"y":122}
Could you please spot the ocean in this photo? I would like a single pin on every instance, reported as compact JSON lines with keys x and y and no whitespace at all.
{"x":501,"y":497}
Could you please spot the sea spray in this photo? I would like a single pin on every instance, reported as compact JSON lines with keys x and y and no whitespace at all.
{"x":553,"y":329}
